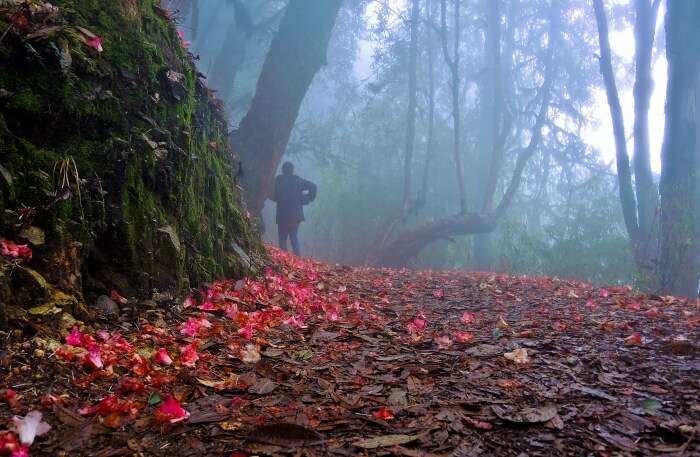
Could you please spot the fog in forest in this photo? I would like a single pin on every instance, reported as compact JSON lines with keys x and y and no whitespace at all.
{"x":470,"y":135}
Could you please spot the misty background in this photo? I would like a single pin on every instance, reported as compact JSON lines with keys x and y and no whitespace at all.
{"x":565,"y":220}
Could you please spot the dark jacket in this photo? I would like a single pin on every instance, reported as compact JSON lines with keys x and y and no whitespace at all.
{"x":291,"y":194}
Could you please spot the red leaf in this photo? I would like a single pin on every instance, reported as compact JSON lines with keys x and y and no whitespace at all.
{"x":383,"y":413}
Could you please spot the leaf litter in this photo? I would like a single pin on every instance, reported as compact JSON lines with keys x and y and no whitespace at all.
{"x":351,"y":360}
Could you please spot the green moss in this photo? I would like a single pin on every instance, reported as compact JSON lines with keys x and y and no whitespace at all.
{"x":95,"y":115}
{"x":28,"y":102}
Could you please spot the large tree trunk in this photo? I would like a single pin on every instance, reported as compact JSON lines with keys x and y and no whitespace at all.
{"x":679,"y":267}
{"x":490,"y":114}
{"x":296,"y":54}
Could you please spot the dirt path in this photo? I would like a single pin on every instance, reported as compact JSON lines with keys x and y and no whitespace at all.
{"x":375,"y":362}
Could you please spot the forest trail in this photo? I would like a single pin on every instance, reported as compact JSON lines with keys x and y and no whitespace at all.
{"x":369,"y":362}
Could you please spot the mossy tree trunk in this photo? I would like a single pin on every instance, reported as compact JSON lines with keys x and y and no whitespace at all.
{"x":119,"y":157}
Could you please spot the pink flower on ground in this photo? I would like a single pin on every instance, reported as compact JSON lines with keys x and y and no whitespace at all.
{"x":95,"y":43}
{"x":468,"y":318}
{"x":189,"y":301}
{"x":9,"y":443}
{"x":188,"y":355}
{"x":162,"y":358}
{"x":463,"y":337}
{"x":22,"y":451}
{"x":246,"y":331}
{"x":170,"y":411}
{"x":95,"y":356}
{"x":75,"y":338}
{"x":417,"y":325}
{"x":298,"y":321}
{"x":443,"y":342}
{"x":208,"y":306}
{"x":15,"y":251}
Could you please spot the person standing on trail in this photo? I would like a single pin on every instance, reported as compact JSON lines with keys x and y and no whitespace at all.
{"x":291,"y":193}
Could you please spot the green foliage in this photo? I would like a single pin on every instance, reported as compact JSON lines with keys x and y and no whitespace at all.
{"x":149,"y":148}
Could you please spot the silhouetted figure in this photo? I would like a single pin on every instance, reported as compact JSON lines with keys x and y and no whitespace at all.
{"x":291,"y":194}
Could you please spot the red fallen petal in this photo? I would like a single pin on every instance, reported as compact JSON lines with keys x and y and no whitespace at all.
{"x":189,"y":301}
{"x":10,"y":397}
{"x":468,"y":318}
{"x":188,"y":355}
{"x":443,"y":342}
{"x":246,"y":331}
{"x":190,"y":328}
{"x":634,"y":339}
{"x":559,"y":326}
{"x":634,"y":306}
{"x":439,"y":294}
{"x":23,"y":451}
{"x":162,"y":357}
{"x":9,"y":443}
{"x":477,"y":423}
{"x":15,"y":251}
{"x":383,"y":413}
{"x":207,"y":306}
{"x":170,"y":411}
{"x":653,"y":312}
{"x":417,"y":325}
{"x":463,"y":337}
{"x":95,"y":357}
{"x":118,"y":298}
{"x":526,"y":334}
{"x":131,"y":385}
{"x":75,"y":338}
{"x":95,"y":43}
{"x":140,"y":365}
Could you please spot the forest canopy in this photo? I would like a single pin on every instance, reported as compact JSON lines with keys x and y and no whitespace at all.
{"x":522,"y":137}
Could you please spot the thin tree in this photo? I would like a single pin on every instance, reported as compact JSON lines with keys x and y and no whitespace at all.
{"x":639,"y":201}
{"x":407,"y":244}
{"x":411,"y":116}
{"x":455,"y":83}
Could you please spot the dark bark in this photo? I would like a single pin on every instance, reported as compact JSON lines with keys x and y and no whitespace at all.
{"x":409,"y":243}
{"x":296,"y":54}
{"x":679,"y":267}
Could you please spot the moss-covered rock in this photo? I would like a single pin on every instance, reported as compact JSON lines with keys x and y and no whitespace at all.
{"x":119,"y":155}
